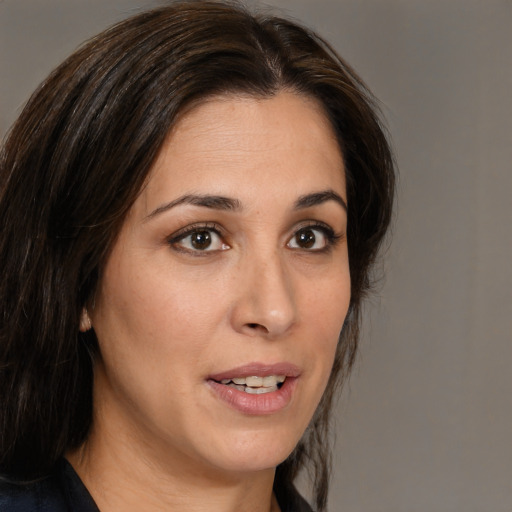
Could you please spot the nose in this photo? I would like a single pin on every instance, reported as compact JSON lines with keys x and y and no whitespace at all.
{"x":266,"y":303}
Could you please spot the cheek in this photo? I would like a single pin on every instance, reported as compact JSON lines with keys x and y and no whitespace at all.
{"x":150,"y":336}
{"x":156,"y":315}
{"x":326,"y":305}
{"x":325,"y":310}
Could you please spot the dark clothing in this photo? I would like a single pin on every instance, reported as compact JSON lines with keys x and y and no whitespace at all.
{"x":63,"y":491}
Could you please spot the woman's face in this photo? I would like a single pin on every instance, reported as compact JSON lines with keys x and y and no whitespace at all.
{"x":230,"y":275}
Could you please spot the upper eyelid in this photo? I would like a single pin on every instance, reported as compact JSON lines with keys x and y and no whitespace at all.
{"x":175,"y":240}
{"x":314,"y":224}
{"x":187,"y":230}
{"x":326,"y":230}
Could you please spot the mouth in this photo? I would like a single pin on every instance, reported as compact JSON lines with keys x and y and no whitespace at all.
{"x":256,"y":389}
{"x":255,"y":385}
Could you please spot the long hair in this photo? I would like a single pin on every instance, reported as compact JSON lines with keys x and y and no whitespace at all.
{"x":79,"y":155}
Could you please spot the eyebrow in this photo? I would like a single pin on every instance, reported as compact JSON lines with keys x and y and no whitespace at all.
{"x":227,"y":203}
{"x":207,"y":201}
{"x":317,"y":198}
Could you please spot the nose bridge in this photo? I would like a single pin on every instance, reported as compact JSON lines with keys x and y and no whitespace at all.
{"x":267,"y":302}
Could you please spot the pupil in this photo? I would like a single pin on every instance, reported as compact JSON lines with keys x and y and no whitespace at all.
{"x":201,"y":239}
{"x":306,"y":239}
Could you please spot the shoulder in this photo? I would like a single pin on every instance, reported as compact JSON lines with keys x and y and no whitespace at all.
{"x":62,"y":491}
{"x":41,"y":496}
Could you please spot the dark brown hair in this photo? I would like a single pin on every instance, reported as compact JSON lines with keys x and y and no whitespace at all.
{"x":79,"y":155}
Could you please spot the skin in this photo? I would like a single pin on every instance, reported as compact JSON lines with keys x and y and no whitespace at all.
{"x":168,"y":315}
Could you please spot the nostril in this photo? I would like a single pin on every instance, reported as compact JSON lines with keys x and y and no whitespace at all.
{"x":256,"y":327}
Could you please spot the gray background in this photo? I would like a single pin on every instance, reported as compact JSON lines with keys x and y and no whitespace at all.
{"x":425,"y":423}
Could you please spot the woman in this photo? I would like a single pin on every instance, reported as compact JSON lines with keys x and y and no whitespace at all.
{"x":190,"y":208}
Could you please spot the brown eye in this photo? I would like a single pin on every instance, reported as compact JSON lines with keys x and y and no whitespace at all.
{"x":200,"y":240}
{"x":313,"y":238}
{"x":305,"y":238}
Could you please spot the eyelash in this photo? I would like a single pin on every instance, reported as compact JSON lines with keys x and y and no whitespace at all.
{"x":182,"y":234}
{"x":331,"y":238}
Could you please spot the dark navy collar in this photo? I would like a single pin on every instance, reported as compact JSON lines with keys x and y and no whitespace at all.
{"x":62,"y":491}
{"x":76,"y":494}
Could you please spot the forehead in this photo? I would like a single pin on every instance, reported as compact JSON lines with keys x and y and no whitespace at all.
{"x":232,"y":143}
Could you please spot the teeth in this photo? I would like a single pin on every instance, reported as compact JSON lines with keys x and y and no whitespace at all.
{"x":255,"y":385}
{"x":271,"y":380}
{"x":259,"y":391}
{"x":255,"y":381}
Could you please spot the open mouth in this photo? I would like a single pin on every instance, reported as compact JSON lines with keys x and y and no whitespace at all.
{"x":257,"y":389}
{"x":255,"y":385}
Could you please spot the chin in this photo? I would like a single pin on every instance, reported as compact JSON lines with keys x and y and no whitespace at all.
{"x":256,"y":451}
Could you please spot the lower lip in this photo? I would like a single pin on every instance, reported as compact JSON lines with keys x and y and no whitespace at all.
{"x":266,"y":403}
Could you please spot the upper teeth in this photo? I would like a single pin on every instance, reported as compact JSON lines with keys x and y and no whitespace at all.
{"x":256,"y":382}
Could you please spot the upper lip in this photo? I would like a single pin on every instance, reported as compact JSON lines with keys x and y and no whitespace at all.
{"x":258,"y":369}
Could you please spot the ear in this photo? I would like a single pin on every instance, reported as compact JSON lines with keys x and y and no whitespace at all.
{"x":85,"y":321}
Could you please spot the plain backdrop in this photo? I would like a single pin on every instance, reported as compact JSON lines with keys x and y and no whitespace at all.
{"x":425,"y":423}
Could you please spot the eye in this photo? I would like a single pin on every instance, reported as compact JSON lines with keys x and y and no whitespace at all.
{"x":313,"y":238}
{"x":199,"y":239}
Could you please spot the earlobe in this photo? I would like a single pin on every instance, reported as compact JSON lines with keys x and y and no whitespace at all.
{"x":85,"y":321}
